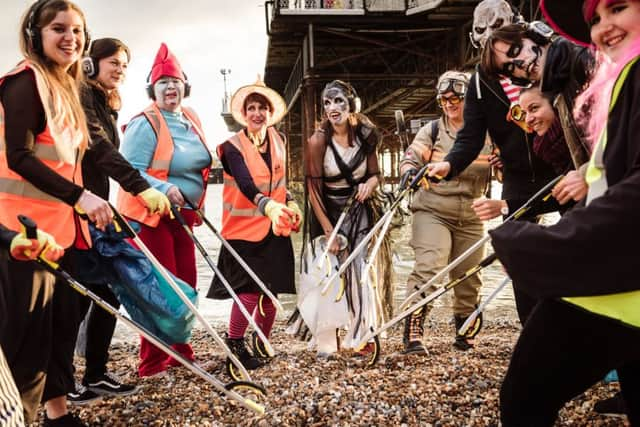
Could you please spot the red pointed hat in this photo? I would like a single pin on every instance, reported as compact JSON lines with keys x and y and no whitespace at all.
{"x":165,"y":64}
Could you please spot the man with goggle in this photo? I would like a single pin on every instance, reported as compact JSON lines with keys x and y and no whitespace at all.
{"x":444,"y":223}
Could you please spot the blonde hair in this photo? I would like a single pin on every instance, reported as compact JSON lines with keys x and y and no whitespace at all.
{"x":59,"y":90}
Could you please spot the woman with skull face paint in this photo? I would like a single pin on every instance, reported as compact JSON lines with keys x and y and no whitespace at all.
{"x":586,"y":321}
{"x":444,"y":224}
{"x":166,"y":144}
{"x":341,"y":161}
{"x":487,"y":109}
{"x":562,"y":70}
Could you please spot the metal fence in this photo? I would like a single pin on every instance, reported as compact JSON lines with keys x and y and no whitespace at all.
{"x":366,"y":5}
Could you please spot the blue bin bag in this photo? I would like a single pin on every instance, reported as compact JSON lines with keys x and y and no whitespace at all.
{"x":138,"y":285}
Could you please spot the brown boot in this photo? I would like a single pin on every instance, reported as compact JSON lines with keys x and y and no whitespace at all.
{"x":413,"y":332}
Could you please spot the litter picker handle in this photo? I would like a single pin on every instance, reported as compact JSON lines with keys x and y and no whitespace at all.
{"x":29,"y":225}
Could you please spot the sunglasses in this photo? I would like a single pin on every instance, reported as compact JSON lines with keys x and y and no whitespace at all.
{"x":456,"y":86}
{"x":453,"y":100}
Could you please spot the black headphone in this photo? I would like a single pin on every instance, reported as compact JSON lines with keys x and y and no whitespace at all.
{"x":152,"y":95}
{"x":538,"y":32}
{"x":348,"y":89}
{"x":33,"y":32}
{"x":90,"y":65}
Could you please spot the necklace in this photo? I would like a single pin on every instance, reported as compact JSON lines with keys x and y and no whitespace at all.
{"x":446,"y":130}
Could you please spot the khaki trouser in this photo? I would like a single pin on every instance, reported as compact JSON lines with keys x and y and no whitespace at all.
{"x":440,"y":233}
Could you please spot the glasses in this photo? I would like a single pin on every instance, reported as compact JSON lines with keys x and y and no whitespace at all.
{"x":453,"y":100}
{"x":456,"y":86}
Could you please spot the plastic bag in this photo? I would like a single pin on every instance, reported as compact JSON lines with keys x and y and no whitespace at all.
{"x":321,"y":313}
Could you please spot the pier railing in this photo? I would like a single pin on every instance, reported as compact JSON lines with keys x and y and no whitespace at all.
{"x":352,"y":7}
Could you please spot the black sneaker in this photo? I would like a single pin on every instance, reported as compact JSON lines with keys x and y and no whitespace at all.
{"x":109,"y":384}
{"x":82,"y":395}
{"x":463,"y":343}
{"x":613,"y":406}
{"x":68,"y":420}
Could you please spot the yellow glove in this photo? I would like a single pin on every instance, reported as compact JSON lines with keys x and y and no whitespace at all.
{"x":297,"y":215}
{"x":24,"y":249}
{"x":155,"y":201}
{"x":281,"y":218}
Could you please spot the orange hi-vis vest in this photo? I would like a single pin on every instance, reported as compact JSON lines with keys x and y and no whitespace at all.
{"x":129,"y":205}
{"x":241,"y":218}
{"x":19,"y":197}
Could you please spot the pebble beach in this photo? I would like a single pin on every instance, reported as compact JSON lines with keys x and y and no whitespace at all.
{"x":447,"y":387}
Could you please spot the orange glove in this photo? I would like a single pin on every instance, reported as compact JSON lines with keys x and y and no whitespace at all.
{"x":281,"y":218}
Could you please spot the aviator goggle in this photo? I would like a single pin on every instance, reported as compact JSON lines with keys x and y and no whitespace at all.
{"x":458,"y":87}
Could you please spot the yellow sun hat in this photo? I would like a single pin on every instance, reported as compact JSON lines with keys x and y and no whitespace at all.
{"x":277,"y":102}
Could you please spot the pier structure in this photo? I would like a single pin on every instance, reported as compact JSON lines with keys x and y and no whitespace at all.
{"x":391,"y":51}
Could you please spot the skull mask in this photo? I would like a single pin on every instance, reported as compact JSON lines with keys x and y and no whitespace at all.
{"x":488,"y":16}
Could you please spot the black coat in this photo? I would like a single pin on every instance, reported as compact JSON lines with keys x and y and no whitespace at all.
{"x":592,"y":250}
{"x":6,"y":236}
{"x":103,"y":160}
{"x":486,"y":109}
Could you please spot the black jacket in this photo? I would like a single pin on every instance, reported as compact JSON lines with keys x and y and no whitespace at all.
{"x":592,"y":250}
{"x":103,"y":160}
{"x":6,"y":236}
{"x":567,"y":68}
{"x":486,"y":107}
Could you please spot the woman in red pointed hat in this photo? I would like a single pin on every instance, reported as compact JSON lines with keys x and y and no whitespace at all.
{"x":165,"y":142}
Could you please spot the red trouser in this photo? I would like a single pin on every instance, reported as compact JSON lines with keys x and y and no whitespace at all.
{"x":175,"y":250}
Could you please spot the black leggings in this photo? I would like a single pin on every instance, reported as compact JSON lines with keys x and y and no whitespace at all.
{"x":562,"y":351}
{"x":100,"y":328}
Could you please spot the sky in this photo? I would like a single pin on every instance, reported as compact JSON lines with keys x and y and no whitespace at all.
{"x":205,"y":35}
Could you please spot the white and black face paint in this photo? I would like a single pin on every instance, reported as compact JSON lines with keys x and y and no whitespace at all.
{"x":169,"y":93}
{"x":527,"y":63}
{"x":336,"y":105}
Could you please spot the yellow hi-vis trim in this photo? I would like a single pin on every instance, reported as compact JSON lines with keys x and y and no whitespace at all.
{"x":624,"y":307}
{"x":596,"y":177}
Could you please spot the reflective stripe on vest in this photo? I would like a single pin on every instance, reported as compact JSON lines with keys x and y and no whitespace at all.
{"x":596,"y":175}
{"x":241,"y":218}
{"x":160,"y":163}
{"x":19,"y":197}
{"x":624,"y":307}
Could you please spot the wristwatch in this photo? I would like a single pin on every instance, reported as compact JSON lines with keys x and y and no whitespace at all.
{"x":504,"y":210}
